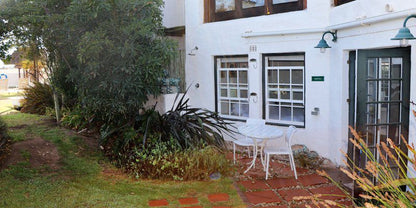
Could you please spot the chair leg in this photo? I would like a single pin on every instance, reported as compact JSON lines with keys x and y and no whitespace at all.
{"x":234,"y":152}
{"x":291,"y":162}
{"x":267,"y":165}
{"x":294,"y":167}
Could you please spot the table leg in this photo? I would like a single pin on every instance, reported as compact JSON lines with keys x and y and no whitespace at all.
{"x":253,"y":163}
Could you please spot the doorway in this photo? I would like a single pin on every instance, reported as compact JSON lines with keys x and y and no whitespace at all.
{"x":379,"y":100}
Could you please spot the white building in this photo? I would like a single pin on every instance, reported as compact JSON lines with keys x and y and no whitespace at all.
{"x":256,"y":58}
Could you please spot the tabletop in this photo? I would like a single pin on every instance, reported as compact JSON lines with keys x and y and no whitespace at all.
{"x":260,"y":131}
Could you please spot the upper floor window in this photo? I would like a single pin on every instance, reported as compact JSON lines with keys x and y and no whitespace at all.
{"x":219,"y":10}
{"x":339,"y":2}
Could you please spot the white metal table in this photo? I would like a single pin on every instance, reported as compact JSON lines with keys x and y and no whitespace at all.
{"x":259,"y":132}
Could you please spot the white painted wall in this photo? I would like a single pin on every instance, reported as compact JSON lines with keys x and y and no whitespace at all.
{"x":326,"y":133}
{"x":174,"y":13}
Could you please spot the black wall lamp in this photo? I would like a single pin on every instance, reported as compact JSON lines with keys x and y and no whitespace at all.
{"x":404,"y":34}
{"x":323,"y":45}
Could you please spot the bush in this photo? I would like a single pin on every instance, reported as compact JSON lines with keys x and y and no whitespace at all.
{"x":163,"y":160}
{"x":182,"y":144}
{"x":37,"y":99}
{"x":4,"y":140}
{"x":389,"y":191}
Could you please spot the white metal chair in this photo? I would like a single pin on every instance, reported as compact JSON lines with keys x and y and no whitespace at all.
{"x":248,"y":142}
{"x":276,"y":148}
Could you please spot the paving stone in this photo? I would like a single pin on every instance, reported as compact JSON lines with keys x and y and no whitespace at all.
{"x":289,"y":194}
{"x":278,"y":183}
{"x":311,"y":180}
{"x":186,"y":201}
{"x":218,"y":197}
{"x":194,"y":207}
{"x":254,"y":185}
{"x":221,"y":207}
{"x":158,"y":203}
{"x":258,"y":197}
{"x":329,"y":192}
{"x":278,"y":206}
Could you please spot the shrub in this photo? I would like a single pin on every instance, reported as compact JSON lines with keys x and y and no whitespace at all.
{"x":4,"y":140}
{"x":388,"y":191}
{"x":37,"y":99}
{"x":163,"y":160}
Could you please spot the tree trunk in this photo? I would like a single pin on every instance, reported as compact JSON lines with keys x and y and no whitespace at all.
{"x":56,"y":105}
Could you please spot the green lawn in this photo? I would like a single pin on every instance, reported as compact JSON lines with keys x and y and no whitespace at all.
{"x":80,"y":182}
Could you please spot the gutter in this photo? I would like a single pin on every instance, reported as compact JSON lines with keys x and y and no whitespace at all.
{"x":351,"y":24}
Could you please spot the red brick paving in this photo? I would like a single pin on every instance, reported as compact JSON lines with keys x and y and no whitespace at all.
{"x":218,"y":197}
{"x":186,"y":201}
{"x":257,"y":197}
{"x":278,"y":183}
{"x":329,"y":192}
{"x":158,"y":203}
{"x":254,"y":185}
{"x":289,"y":194}
{"x":195,"y":207}
{"x":311,"y":180}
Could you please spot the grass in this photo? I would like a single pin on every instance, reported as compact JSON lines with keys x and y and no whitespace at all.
{"x":81,"y":181}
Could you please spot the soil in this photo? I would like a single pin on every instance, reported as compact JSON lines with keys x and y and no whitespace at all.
{"x":37,"y":151}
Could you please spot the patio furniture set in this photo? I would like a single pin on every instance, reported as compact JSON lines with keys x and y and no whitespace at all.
{"x":265,"y":140}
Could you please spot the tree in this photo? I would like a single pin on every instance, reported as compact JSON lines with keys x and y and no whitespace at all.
{"x":109,"y":54}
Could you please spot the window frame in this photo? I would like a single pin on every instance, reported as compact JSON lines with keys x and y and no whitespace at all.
{"x":268,"y":8}
{"x":341,"y":2}
{"x":265,"y":91}
{"x":217,"y":83}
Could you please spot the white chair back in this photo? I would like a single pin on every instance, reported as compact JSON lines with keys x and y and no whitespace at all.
{"x":289,"y":134}
{"x":255,"y":121}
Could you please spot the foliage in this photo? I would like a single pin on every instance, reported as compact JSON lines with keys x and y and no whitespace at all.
{"x":93,"y":182}
{"x":120,"y":65}
{"x":308,"y":159}
{"x":163,"y":160}
{"x":4,"y":140}
{"x":37,"y":99}
{"x":108,"y":70}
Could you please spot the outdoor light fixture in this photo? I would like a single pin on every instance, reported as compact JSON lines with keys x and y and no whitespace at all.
{"x":404,"y":34}
{"x":323,"y":45}
{"x":192,"y":52}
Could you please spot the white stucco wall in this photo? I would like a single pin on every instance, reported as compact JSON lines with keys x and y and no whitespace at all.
{"x":174,"y":13}
{"x":326,"y":133}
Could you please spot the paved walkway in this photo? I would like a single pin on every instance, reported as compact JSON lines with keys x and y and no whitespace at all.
{"x":281,"y":190}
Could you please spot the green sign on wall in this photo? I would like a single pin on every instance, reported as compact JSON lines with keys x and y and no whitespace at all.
{"x":318,"y":78}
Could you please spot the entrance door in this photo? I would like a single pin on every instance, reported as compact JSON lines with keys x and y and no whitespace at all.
{"x":382,"y":101}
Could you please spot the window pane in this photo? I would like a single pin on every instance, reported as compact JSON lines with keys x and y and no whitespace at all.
{"x":372,"y":68}
{"x":297,"y":95}
{"x":242,"y":77}
{"x":272,"y":76}
{"x":223,"y":76}
{"x":235,"y":109}
{"x":225,"y":108}
{"x":244,"y":109}
{"x":274,"y":112}
{"x":283,"y":1}
{"x":284,"y":76}
{"x":273,"y":94}
{"x":233,"y":76}
{"x":286,"y":114}
{"x":395,"y":90}
{"x":297,"y":76}
{"x":394,"y":112}
{"x":252,"y":3}
{"x":385,"y":68}
{"x":223,"y":92}
{"x":299,"y":114}
{"x":243,"y":94}
{"x":233,"y":93}
{"x":224,"y":5}
{"x":396,"y":68}
{"x":285,"y":95}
